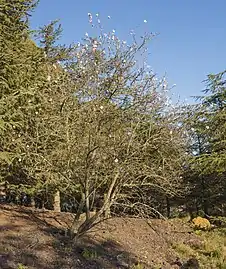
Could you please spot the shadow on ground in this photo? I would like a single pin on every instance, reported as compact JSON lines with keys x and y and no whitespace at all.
{"x":27,"y":238}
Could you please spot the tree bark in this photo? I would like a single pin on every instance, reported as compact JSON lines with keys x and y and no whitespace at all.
{"x":56,"y":203}
{"x":168,"y":207}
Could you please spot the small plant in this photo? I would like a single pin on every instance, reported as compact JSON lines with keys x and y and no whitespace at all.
{"x":89,"y":254}
{"x":218,"y":221}
{"x":157,"y":266}
{"x":221,"y":265}
{"x":137,"y":266}
{"x":183,"y":249}
{"x":198,"y":232}
{"x":21,"y":266}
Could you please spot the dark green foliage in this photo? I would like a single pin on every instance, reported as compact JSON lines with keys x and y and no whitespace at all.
{"x":19,"y":60}
{"x":211,"y":122}
{"x":48,"y":37}
{"x":207,"y":130}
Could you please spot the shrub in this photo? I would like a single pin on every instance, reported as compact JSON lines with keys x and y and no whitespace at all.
{"x":201,"y":223}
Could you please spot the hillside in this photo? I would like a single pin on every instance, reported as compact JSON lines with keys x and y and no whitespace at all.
{"x":37,"y":240}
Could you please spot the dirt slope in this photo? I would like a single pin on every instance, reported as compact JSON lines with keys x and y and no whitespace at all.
{"x":37,"y":240}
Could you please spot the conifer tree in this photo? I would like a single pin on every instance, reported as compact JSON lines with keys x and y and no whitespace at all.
{"x":207,"y":125}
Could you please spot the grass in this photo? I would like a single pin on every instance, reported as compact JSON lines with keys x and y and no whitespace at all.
{"x":89,"y":254}
{"x":212,"y":254}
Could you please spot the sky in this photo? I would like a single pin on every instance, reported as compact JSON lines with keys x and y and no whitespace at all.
{"x":191,"y":39}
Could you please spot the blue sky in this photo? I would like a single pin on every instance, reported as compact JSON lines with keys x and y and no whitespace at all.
{"x":191,"y":41}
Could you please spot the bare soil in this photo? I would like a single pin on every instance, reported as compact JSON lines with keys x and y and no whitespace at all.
{"x":37,"y":240}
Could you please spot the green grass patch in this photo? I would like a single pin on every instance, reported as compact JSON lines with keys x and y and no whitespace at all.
{"x":211,"y":254}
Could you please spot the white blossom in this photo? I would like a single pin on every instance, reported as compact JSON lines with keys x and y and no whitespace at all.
{"x":90,"y":17}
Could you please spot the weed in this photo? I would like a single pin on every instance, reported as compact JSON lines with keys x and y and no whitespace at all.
{"x":183,"y":249}
{"x":221,"y":265}
{"x":89,"y":254}
{"x":198,"y":232}
{"x":157,"y":266}
{"x":137,"y":266}
{"x":211,"y":254}
{"x":21,"y":266}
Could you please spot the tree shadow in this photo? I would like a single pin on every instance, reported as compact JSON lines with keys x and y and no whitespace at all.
{"x":46,"y":246}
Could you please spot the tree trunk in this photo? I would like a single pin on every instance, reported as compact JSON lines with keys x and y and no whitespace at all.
{"x":168,"y":207}
{"x":32,"y":202}
{"x":74,"y":227}
{"x":56,"y":203}
{"x":3,"y":191}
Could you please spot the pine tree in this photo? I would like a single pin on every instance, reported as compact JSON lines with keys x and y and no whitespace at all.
{"x":213,"y":113}
{"x":18,"y":63}
{"x":26,"y":89}
{"x":207,"y":128}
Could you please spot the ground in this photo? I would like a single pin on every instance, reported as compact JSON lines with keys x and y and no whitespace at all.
{"x":37,"y":240}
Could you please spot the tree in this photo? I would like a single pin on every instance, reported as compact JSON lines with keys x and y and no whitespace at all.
{"x":207,"y":129}
{"x":214,"y":104}
{"x":19,"y":59}
{"x":91,"y":122}
{"x":116,"y":141}
{"x":27,"y":76}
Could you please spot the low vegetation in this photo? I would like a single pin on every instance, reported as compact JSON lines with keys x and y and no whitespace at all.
{"x":211,"y":253}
